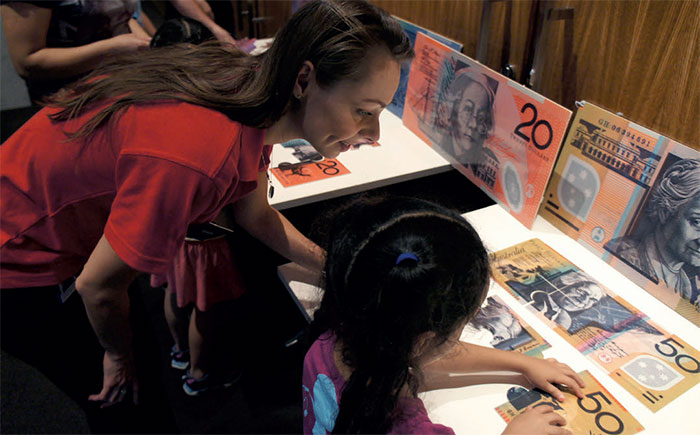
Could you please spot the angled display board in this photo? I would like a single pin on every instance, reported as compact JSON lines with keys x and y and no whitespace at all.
{"x":631,"y":196}
{"x":499,"y":134}
{"x":412,"y":30}
{"x":656,"y":367}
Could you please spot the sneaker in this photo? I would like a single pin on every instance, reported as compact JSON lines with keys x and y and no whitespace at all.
{"x":179,"y":360}
{"x":195,"y":387}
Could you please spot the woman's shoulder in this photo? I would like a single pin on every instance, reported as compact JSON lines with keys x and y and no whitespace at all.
{"x":183,"y":114}
{"x":182,"y":124}
{"x":184,"y":133}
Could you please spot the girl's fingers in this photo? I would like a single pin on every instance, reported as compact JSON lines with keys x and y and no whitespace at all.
{"x":554,"y":391}
{"x":555,"y":419}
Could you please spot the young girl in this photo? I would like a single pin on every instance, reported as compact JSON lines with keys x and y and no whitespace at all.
{"x":403,"y":277}
{"x":105,"y":182}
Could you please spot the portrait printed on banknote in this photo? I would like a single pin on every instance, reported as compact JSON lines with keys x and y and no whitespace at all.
{"x":502,"y":136}
{"x":464,"y":118}
{"x":663,"y":244}
{"x":574,"y":300}
{"x":496,"y":325}
{"x":655,"y":366}
{"x":628,"y":194}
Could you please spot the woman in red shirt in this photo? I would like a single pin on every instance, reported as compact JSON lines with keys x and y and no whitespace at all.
{"x":104,"y":182}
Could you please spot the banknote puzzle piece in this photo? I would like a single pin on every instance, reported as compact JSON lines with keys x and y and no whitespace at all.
{"x":597,"y":413}
{"x":655,"y":366}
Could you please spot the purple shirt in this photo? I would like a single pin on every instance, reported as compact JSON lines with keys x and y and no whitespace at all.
{"x":322,"y":386}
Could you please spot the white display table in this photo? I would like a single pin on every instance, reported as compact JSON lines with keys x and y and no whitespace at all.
{"x":401,"y":156}
{"x":470,"y":409}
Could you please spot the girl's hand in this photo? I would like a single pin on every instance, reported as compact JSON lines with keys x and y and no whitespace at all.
{"x":545,"y":373}
{"x":537,"y":420}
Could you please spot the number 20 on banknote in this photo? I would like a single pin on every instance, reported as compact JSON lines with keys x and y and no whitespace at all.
{"x":502,"y":136}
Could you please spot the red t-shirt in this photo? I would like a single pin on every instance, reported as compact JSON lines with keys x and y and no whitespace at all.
{"x":160,"y":168}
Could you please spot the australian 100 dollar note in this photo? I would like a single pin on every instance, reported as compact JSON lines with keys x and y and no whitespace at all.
{"x":598,"y":413}
{"x":496,"y":325}
{"x":654,"y":366}
{"x":499,"y":134}
{"x":632,"y":197}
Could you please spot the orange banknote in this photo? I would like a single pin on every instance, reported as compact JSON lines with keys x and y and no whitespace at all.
{"x":632,"y":197}
{"x":499,"y":134}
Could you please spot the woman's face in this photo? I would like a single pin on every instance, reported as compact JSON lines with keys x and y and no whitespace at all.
{"x":347,"y":113}
{"x":682,"y":233}
{"x":469,"y":126}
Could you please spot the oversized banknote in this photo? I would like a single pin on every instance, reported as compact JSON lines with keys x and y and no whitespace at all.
{"x":499,"y":134}
{"x":631,"y":196}
{"x":597,"y":413}
{"x":411,"y":30}
{"x":654,"y":366}
{"x":497,"y":325}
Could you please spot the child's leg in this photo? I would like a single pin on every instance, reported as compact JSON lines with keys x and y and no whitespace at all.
{"x":202,"y":338}
{"x":177,"y":319}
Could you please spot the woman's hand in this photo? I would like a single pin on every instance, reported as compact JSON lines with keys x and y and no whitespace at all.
{"x":544,"y":374}
{"x":128,"y":42}
{"x":537,"y":420}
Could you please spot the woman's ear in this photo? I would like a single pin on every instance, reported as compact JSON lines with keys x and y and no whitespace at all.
{"x":305,"y":75}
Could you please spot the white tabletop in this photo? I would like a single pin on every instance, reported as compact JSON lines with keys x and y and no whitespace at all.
{"x":470,"y":410}
{"x":401,"y":156}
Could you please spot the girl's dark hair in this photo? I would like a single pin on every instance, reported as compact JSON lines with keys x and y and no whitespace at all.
{"x":181,"y":30}
{"x":378,"y":308}
{"x":334,"y":35}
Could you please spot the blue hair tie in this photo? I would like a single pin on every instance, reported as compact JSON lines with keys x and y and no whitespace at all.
{"x":406,"y":256}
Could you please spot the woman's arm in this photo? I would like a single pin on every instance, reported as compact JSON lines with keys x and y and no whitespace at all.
{"x":137,"y":29}
{"x":255,"y":215}
{"x":472,"y":358}
{"x":103,"y":285}
{"x":26,"y":27}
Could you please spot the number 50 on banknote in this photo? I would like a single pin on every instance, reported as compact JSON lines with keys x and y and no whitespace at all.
{"x":597,"y":413}
{"x":653,"y":365}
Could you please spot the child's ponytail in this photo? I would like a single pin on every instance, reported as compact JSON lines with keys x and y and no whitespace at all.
{"x":396,"y":268}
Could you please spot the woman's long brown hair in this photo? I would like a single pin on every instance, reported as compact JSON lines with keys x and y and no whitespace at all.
{"x":334,"y":35}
